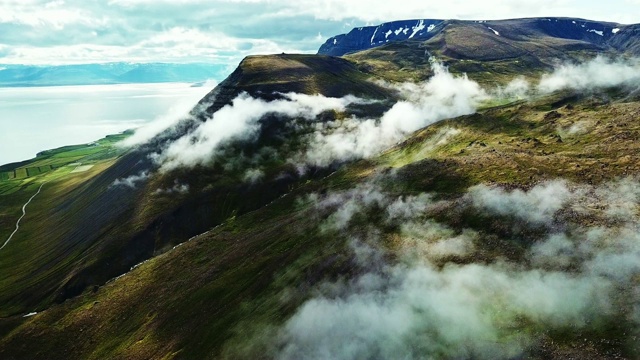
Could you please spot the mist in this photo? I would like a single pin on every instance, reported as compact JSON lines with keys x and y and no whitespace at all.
{"x":443,"y":96}
{"x":592,"y":75}
{"x":239,"y":122}
{"x":597,"y":73}
{"x":579,"y":275}
{"x":179,"y":111}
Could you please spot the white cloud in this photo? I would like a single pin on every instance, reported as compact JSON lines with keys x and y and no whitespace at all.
{"x":179,"y":111}
{"x":414,"y":309}
{"x":459,"y":311}
{"x":538,"y":205}
{"x":443,"y":96}
{"x":239,"y":121}
{"x":130,"y":27}
{"x":597,"y":73}
{"x":131,"y":181}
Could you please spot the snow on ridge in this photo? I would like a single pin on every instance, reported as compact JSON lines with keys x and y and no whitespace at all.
{"x":419,"y":26}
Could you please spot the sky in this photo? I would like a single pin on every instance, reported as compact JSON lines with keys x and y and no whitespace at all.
{"x":224,"y":31}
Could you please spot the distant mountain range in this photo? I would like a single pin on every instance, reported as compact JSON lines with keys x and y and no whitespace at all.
{"x":604,"y":35}
{"x":109,"y":73}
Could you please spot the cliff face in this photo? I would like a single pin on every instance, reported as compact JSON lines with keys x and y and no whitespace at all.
{"x":368,"y":37}
{"x":603,"y":35}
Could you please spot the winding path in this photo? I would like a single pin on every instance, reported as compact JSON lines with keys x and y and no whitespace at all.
{"x":24,"y":212}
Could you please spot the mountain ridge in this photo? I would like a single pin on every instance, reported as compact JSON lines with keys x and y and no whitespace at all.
{"x":593,"y":32}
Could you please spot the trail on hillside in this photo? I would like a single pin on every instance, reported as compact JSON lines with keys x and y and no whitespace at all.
{"x":24,"y":212}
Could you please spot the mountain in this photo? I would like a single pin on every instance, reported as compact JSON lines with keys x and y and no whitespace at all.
{"x":313,"y":206}
{"x":561,"y":34}
{"x":109,"y":73}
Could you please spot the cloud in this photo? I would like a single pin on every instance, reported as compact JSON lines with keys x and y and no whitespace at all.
{"x":469,"y":311}
{"x":538,"y":205}
{"x":253,"y":176}
{"x":132,"y":180}
{"x":177,"y":188}
{"x":239,"y":121}
{"x":343,"y":206}
{"x":443,"y":96}
{"x":177,"y":112}
{"x":44,"y":31}
{"x":411,"y":308}
{"x":597,"y":73}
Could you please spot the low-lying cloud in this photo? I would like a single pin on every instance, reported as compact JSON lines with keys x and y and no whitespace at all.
{"x":443,"y":96}
{"x":239,"y":121}
{"x":179,"y":111}
{"x":580,"y":277}
{"x":598,"y":73}
{"x":131,"y":181}
{"x":537,"y":205}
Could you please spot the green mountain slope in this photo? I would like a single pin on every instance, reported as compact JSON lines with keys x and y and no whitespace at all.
{"x":93,"y":229}
{"x":216,"y":294}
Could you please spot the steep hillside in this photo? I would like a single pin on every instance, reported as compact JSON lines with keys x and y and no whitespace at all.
{"x":230,"y":292}
{"x":93,"y":226}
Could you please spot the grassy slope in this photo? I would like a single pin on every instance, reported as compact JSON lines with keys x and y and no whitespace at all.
{"x":80,"y":231}
{"x":31,"y":264}
{"x":223,"y":285}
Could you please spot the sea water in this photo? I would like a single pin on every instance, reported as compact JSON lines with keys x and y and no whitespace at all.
{"x":33,"y":119}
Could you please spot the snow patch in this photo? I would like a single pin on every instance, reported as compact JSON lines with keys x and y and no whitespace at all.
{"x":374,"y":34}
{"x":335,"y":41}
{"x":386,"y":35}
{"x":596,"y":32}
{"x":397,"y":32}
{"x":419,"y":26}
{"x":430,"y":28}
{"x":615,"y":31}
{"x":494,"y":31}
{"x":30,"y":314}
{"x":405,"y":31}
